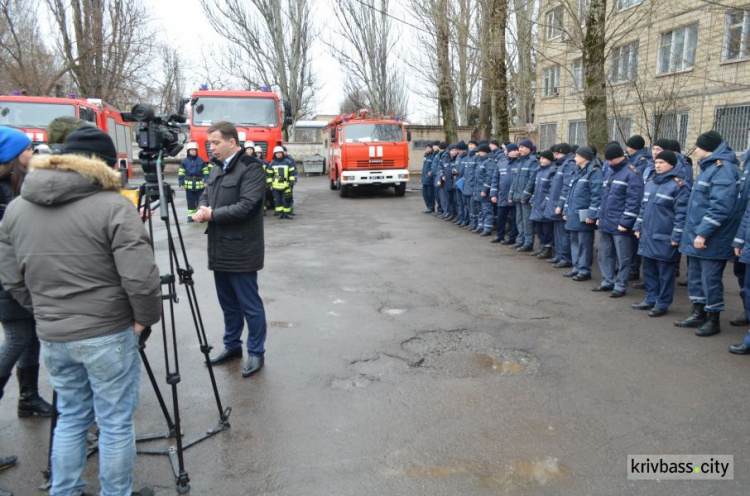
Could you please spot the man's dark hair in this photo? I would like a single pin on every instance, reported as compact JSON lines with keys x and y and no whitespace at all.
{"x":226,"y":129}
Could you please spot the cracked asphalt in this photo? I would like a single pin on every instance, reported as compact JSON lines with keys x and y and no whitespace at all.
{"x":406,"y":356}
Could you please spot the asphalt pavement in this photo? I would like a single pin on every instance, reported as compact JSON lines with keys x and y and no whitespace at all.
{"x":406,"y":356}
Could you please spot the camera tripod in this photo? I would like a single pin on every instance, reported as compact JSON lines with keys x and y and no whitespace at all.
{"x":155,"y":191}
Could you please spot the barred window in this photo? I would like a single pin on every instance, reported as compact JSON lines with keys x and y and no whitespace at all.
{"x":619,"y":128}
{"x":626,"y":4}
{"x":671,"y":125}
{"x":547,"y":135}
{"x":733,"y":123}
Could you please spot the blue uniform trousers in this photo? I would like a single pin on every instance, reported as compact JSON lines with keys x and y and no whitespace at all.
{"x":704,"y":282}
{"x":659,"y":277}
{"x":487,"y":221}
{"x":635,"y":263}
{"x":546,"y":234}
{"x":505,"y":216}
{"x":739,"y":271}
{"x":476,"y":210}
{"x":582,"y":250}
{"x":444,"y":199}
{"x":615,"y":251}
{"x":193,"y":196}
{"x":240,"y":301}
{"x":523,"y":221}
{"x":460,"y":209}
{"x":428,"y":194}
{"x":746,"y":290}
{"x":562,"y":242}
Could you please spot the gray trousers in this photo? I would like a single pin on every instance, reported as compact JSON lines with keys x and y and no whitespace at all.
{"x":615,"y":251}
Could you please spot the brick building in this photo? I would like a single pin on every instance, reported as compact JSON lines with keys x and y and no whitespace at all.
{"x":675,"y":68}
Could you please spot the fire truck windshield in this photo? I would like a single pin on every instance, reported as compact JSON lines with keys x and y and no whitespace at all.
{"x":29,"y":114}
{"x":367,"y":133}
{"x":258,"y":112}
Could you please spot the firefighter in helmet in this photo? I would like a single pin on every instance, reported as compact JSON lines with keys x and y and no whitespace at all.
{"x":192,"y":177}
{"x":284,"y":177}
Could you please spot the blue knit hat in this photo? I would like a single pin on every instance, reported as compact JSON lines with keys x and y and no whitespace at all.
{"x":511,"y":147}
{"x":527,"y":143}
{"x":12,"y":143}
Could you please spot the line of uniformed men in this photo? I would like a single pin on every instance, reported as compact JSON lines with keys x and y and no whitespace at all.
{"x":644,"y":203}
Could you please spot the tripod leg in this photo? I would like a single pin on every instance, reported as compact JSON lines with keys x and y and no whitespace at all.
{"x":52,"y":424}
{"x":157,"y":391}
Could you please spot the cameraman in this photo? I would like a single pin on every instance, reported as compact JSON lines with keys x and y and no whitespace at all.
{"x":92,"y":295}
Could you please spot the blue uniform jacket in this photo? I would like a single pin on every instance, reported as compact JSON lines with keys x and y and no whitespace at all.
{"x":481,"y":179}
{"x":744,"y":199}
{"x":566,"y":169}
{"x":427,"y":168}
{"x":447,"y":166}
{"x":524,"y":179}
{"x":622,"y":193}
{"x":542,"y":189}
{"x":641,"y":160}
{"x":714,"y":211}
{"x":502,"y":180}
{"x":662,"y":217}
{"x":470,"y":162}
{"x":459,"y":166}
{"x":585,"y":194}
{"x":435,"y":167}
{"x":193,"y":167}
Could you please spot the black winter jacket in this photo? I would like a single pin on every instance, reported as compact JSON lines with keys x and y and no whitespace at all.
{"x":235,"y":232}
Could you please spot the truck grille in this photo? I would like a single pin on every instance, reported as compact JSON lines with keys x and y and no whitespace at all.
{"x":375,"y":163}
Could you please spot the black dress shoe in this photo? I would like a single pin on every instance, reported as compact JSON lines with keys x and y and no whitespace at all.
{"x":225,"y":356}
{"x":639,"y":285}
{"x":485,"y":233}
{"x":657,"y":312}
{"x":562,"y":265}
{"x":253,"y":365}
{"x":582,"y":277}
{"x":553,"y":261}
{"x":682,"y":283}
{"x":496,"y":240}
{"x":7,"y":461}
{"x":740,"y":321}
{"x":428,"y":211}
{"x":507,"y":242}
{"x":524,"y":249}
{"x":570,"y":273}
{"x":602,"y":289}
{"x":617,"y":294}
{"x":739,"y":349}
{"x":642,"y":306}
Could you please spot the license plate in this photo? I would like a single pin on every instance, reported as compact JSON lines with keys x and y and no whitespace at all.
{"x":376,"y":177}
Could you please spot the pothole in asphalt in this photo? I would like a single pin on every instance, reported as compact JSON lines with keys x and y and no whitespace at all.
{"x":392,"y":312}
{"x":349,"y":383}
{"x":465,"y":354}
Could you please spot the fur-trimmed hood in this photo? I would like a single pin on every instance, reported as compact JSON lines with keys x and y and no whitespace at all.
{"x":55,"y":179}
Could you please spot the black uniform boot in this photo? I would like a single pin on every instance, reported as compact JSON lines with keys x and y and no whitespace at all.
{"x":545,"y":253}
{"x":741,"y":320}
{"x":711,"y":325}
{"x":29,"y":401}
{"x":697,"y":317}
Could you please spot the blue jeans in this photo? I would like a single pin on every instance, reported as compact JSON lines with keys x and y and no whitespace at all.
{"x":615,"y":250}
{"x":659,"y":277}
{"x":582,"y":249}
{"x":94,"y":378}
{"x":240,"y":301}
{"x":21,"y":346}
{"x":428,"y":195}
{"x":705,"y":285}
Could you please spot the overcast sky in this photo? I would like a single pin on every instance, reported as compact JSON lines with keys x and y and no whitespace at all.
{"x":183,"y":22}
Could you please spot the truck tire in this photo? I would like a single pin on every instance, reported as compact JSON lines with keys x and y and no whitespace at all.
{"x":400,"y":189}
{"x":343,"y":189}
{"x":333,"y":185}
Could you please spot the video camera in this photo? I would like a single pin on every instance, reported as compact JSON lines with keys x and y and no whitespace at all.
{"x":158,"y":135}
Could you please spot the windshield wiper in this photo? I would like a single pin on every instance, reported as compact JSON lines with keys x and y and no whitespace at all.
{"x":252,"y":124}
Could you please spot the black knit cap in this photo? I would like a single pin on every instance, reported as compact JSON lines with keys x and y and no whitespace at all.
{"x":675,"y":146}
{"x":585,"y":152}
{"x":495,"y":142}
{"x":595,"y":150}
{"x":89,"y":140}
{"x":474,"y":142}
{"x":667,"y":156}
{"x":484,"y":148}
{"x":663,"y":143}
{"x":462,"y":145}
{"x":709,"y":141}
{"x":443,"y":145}
{"x":563,"y":148}
{"x":613,"y":151}
{"x":636,"y":142}
{"x":573,"y":148}
{"x":548,"y":155}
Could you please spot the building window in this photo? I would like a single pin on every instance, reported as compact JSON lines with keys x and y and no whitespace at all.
{"x":547,"y":135}
{"x":554,"y":23}
{"x":677,"y":49}
{"x":420,"y":144}
{"x":733,"y":123}
{"x":577,"y":72}
{"x":737,"y":34}
{"x":551,"y":83}
{"x":624,"y":63}
{"x":577,"y":132}
{"x":671,"y":125}
{"x":619,"y":128}
{"x":582,"y":11}
{"x":626,"y":4}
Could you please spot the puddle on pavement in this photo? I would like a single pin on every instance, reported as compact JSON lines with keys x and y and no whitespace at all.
{"x":499,"y":365}
{"x":539,"y":471}
{"x":280,"y":324}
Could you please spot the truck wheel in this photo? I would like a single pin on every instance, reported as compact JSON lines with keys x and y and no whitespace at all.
{"x":333,"y":185}
{"x":401,"y":189}
{"x":343,"y":189}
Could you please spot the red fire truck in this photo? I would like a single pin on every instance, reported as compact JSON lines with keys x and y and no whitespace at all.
{"x":366,"y":150}
{"x":32,"y":114}
{"x":255,"y":114}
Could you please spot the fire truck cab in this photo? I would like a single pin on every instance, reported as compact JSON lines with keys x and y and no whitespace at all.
{"x":368,"y":151}
{"x":255,"y":114}
{"x":32,"y":114}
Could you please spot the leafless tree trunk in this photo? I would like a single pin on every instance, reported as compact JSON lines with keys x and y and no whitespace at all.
{"x":498,"y":23}
{"x":466,"y":63}
{"x":363,"y":45}
{"x":171,"y":86}
{"x":524,"y":11}
{"x":595,"y":75}
{"x":445,"y":84}
{"x":269,"y":43}
{"x":485,"y":100}
{"x":107,"y":45}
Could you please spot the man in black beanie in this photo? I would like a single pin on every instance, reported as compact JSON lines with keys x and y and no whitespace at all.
{"x":638,"y":154}
{"x":566,"y":169}
{"x":622,"y":192}
{"x":713,"y":218}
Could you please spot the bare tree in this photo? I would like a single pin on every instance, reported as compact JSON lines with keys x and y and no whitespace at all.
{"x":366,"y":53}
{"x":170,"y":87}
{"x":354,"y":100}
{"x":106,"y":44}
{"x":497,"y":13}
{"x":445,"y":83}
{"x":25,"y":61}
{"x":269,"y":44}
{"x":467,"y":58}
{"x":522,"y":86}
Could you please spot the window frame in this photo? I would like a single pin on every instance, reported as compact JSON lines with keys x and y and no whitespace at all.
{"x":616,"y":63}
{"x":547,"y":73}
{"x":577,"y":86}
{"x":627,"y":4}
{"x":744,"y":26}
{"x":578,"y":123}
{"x":544,"y":130}
{"x":684,"y":41}
{"x":554,"y":24}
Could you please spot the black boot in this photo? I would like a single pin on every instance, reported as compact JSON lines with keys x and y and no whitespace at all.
{"x":29,"y":401}
{"x":741,"y":320}
{"x":711,"y":326}
{"x":7,"y":461}
{"x":546,"y":253}
{"x":697,"y":317}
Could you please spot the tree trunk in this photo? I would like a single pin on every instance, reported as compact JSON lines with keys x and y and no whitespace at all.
{"x":498,"y":12}
{"x":524,"y":11}
{"x":595,"y":91}
{"x":445,"y":83}
{"x":485,"y":99}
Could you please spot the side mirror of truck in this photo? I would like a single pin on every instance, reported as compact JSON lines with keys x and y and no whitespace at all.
{"x":333,"y":134}
{"x":287,"y":109}
{"x":288,"y":121}
{"x":408,"y":136}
